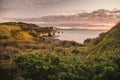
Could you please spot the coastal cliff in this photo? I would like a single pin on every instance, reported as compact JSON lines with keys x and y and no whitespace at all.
{"x":24,"y":31}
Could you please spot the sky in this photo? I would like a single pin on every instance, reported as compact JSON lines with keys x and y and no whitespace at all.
{"x":38,"y":8}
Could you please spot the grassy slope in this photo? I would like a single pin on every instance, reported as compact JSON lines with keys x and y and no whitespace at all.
{"x":14,"y":31}
{"x":110,"y":42}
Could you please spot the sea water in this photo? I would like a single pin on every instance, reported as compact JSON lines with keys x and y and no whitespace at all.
{"x":77,"y":35}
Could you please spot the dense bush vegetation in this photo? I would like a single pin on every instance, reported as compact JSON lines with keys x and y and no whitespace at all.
{"x":52,"y":66}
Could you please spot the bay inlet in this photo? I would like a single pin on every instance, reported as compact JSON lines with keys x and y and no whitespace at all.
{"x":77,"y":35}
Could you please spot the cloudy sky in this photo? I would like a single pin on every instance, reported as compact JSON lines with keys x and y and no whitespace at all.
{"x":38,"y":8}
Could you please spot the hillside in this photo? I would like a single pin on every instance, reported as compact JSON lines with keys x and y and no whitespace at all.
{"x":16,"y":31}
{"x":109,"y":41}
{"x":23,"y":31}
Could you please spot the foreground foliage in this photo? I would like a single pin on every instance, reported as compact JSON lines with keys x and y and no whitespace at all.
{"x":51,"y":66}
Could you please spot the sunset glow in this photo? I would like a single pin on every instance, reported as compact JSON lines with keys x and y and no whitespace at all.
{"x":82,"y":14}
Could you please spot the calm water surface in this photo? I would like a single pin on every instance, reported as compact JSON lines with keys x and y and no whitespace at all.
{"x":77,"y":35}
